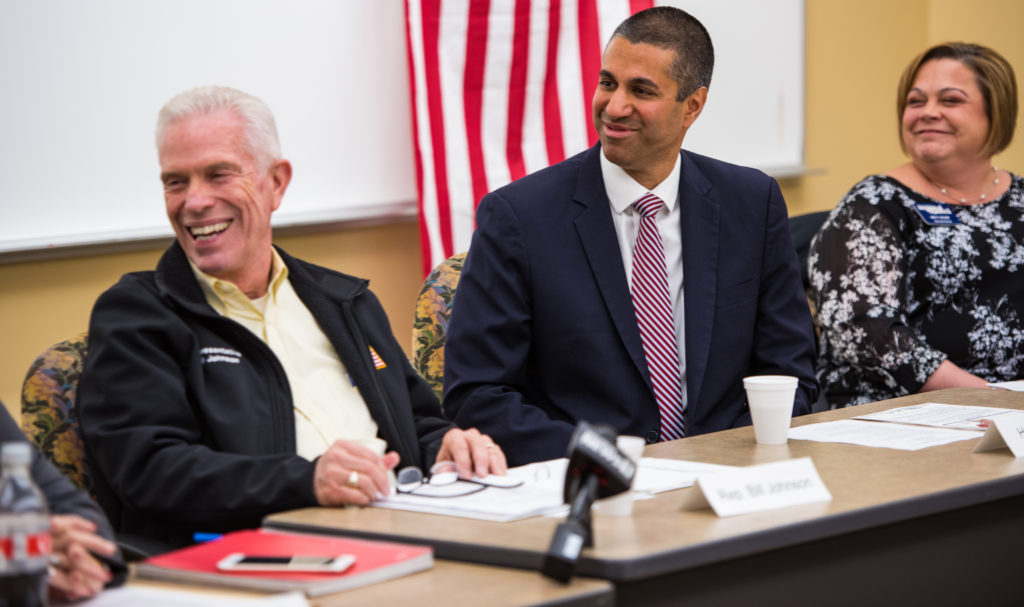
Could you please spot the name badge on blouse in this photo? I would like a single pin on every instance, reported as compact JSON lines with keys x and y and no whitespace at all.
{"x":936,"y":213}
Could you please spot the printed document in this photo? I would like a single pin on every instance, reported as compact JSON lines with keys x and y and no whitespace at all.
{"x":871,"y":434}
{"x":541,"y":490}
{"x":160,"y":596}
{"x":1016,"y":386}
{"x":942,"y":416}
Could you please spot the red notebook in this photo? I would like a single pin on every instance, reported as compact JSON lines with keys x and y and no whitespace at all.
{"x":375,"y":562}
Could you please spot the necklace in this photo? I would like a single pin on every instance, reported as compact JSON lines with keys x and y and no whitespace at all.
{"x":964,"y":199}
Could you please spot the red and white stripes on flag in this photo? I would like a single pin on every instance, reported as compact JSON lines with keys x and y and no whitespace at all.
{"x":500,"y":88}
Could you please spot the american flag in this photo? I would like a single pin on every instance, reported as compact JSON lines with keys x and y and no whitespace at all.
{"x":500,"y":88}
{"x":378,"y":362}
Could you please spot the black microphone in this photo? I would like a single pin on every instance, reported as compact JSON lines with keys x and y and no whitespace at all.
{"x":597,"y":469}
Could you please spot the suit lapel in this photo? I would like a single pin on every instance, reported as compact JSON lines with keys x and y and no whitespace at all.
{"x":601,"y":247}
{"x":699,"y":223}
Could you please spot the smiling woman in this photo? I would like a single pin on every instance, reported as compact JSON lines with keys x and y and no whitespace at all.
{"x":915,"y":272}
{"x":945,"y":116}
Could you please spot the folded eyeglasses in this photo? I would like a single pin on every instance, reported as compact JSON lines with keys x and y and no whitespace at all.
{"x":443,"y":481}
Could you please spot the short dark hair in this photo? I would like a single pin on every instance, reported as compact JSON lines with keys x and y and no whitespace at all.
{"x":676,"y":30}
{"x":995,"y":78}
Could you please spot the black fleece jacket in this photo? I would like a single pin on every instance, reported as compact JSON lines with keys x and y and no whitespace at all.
{"x":188,"y":418}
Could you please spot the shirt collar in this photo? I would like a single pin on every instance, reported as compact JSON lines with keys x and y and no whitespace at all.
{"x":224,"y":295}
{"x":623,"y":190}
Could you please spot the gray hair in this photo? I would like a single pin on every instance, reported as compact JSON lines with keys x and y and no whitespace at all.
{"x":260,"y":129}
{"x":678,"y":31}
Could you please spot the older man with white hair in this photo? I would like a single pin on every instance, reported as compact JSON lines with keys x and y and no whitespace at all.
{"x":235,"y":380}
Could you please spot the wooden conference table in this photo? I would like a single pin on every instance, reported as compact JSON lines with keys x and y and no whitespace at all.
{"x":447,"y":584}
{"x":937,"y":526}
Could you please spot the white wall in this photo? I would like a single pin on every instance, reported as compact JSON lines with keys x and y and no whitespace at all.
{"x":83,"y":81}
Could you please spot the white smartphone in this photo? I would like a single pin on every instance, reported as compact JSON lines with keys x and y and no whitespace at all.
{"x":297,"y":562}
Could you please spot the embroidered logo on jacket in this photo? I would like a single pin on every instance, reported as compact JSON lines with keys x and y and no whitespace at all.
{"x":220,"y":355}
{"x":378,"y":364}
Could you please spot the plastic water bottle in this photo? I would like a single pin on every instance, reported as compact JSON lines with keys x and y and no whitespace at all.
{"x":24,"y":531}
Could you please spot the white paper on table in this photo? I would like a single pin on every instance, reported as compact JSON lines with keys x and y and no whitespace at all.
{"x":542,"y":490}
{"x":1016,"y":386}
{"x":540,"y":493}
{"x":162,"y":597}
{"x":656,"y":474}
{"x":964,"y":417}
{"x":871,"y":434}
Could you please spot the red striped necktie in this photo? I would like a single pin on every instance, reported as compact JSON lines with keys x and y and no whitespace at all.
{"x":653,"y":308}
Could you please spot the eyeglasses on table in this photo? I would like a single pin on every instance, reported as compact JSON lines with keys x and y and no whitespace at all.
{"x":443,"y":481}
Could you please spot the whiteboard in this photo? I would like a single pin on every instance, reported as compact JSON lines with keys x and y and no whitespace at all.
{"x":755,"y":110}
{"x":83,"y":82}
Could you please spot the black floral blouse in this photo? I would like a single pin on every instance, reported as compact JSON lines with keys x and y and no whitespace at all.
{"x":896,"y":296}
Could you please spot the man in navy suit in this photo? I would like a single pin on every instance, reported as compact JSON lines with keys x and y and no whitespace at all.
{"x":544,"y":330}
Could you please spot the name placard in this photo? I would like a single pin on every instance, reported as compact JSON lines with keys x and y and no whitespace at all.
{"x":757,"y":488}
{"x":1006,"y":430}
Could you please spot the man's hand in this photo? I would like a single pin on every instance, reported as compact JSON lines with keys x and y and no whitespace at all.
{"x":76,"y":574}
{"x":349,"y":473}
{"x":473,"y":453}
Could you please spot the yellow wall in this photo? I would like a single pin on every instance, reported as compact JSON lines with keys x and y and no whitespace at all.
{"x":855,"y":52}
{"x":44,"y":302}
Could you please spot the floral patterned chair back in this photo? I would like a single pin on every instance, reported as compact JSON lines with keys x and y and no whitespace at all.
{"x":433,"y":308}
{"x":48,"y":414}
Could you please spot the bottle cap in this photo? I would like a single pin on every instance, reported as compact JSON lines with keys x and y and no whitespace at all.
{"x":15,"y":453}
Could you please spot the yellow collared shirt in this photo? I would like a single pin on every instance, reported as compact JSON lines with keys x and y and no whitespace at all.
{"x":327,"y":404}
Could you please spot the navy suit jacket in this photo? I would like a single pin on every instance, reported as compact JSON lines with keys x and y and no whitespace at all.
{"x":543,"y":332}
